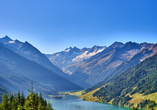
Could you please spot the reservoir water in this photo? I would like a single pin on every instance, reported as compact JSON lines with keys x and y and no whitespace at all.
{"x":76,"y":103}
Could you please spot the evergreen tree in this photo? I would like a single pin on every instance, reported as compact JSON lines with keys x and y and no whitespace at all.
{"x":40,"y":107}
{"x":45,"y":103}
{"x":13,"y":104}
{"x":20,"y":107}
{"x":49,"y":106}
{"x":11,"y":98}
{"x":36,"y":101}
{"x":22,"y":99}
{"x":27,"y":105}
{"x":1,"y":108}
{"x":32,"y":102}
{"x":5,"y":104}
{"x":18,"y":98}
{"x":40,"y":99}
{"x":134,"y":108}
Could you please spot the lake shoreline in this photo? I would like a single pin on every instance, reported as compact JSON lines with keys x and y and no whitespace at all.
{"x":104,"y":103}
{"x":74,"y":102}
{"x":89,"y":97}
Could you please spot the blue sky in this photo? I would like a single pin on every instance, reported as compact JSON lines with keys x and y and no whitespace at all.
{"x":53,"y":25}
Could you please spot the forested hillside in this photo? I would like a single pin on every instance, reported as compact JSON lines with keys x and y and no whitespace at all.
{"x":140,"y":79}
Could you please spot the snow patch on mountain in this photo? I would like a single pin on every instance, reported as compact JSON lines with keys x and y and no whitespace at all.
{"x":12,"y":42}
{"x":86,"y":56}
{"x":67,"y":50}
{"x":57,"y":55}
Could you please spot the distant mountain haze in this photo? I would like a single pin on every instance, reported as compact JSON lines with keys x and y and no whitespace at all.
{"x":21,"y":63}
{"x":71,"y":56}
{"x":31,"y":53}
{"x":100,"y":62}
{"x":70,"y":69}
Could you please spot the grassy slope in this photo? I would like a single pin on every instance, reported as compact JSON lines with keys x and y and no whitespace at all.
{"x":89,"y":96}
{"x":76,"y":93}
{"x":141,"y":78}
{"x":136,"y":98}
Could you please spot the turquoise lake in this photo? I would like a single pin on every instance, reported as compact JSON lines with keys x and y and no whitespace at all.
{"x":76,"y":103}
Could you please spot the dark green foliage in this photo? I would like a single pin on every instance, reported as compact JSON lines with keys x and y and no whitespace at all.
{"x":22,"y":99}
{"x":41,"y":99}
{"x":12,"y":102}
{"x":142,"y":76}
{"x":121,"y":100}
{"x":150,"y":104}
{"x":49,"y":106}
{"x":18,"y":98}
{"x":134,"y":108}
{"x":5,"y":104}
{"x":36,"y":100}
{"x":32,"y":102}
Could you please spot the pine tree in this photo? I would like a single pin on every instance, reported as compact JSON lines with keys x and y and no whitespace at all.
{"x":40,"y":107}
{"x":27,"y":105}
{"x":31,"y":100}
{"x":12,"y":103}
{"x":40,"y":99}
{"x":36,"y":101}
{"x":5,"y":104}
{"x":18,"y":98}
{"x":1,"y":108}
{"x":45,"y":104}
{"x":20,"y":107}
{"x":11,"y":98}
{"x":22,"y":99}
{"x":134,"y":108}
{"x":49,"y":106}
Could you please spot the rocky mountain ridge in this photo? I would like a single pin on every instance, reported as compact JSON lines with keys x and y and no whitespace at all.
{"x":105,"y":63}
{"x":21,"y":63}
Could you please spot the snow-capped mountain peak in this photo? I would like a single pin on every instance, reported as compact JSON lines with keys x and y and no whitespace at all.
{"x":73,"y":55}
{"x":87,"y":54}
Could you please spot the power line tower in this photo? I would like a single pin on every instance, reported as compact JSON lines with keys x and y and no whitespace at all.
{"x":32,"y":86}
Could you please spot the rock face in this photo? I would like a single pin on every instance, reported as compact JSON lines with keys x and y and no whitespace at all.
{"x":70,"y":59}
{"x":100,"y":63}
{"x":21,"y":63}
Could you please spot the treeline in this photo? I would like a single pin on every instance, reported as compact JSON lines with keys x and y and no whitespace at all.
{"x":19,"y":102}
{"x":148,"y":104}
{"x":142,"y":79}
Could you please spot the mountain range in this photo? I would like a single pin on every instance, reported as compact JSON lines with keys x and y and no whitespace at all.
{"x":98,"y":68}
{"x":134,"y":87}
{"x":21,"y":63}
{"x":88,"y":66}
{"x":70,"y":56}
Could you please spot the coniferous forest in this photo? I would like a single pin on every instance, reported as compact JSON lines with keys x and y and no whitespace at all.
{"x":19,"y":102}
